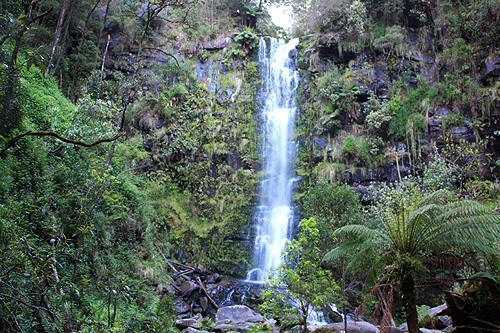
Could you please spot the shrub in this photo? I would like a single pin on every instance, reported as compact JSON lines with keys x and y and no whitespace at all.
{"x":349,"y":146}
{"x":393,"y":37}
{"x":338,"y":96}
{"x":439,"y":174}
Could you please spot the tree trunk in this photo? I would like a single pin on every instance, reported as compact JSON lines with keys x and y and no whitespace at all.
{"x":57,"y":34}
{"x":410,"y":301}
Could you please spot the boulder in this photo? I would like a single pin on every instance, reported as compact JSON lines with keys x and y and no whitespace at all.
{"x":181,"y":306}
{"x":238,"y":314}
{"x":217,"y":44}
{"x":320,"y":142}
{"x":192,"y":330}
{"x":352,"y":327}
{"x":224,"y":328}
{"x":492,"y":71}
{"x":187,"y":287}
{"x":185,"y":323}
{"x":437,"y":310}
{"x":213,"y":278}
{"x":459,"y":133}
{"x":247,"y":327}
{"x":204,"y":303}
{"x":443,"y":322}
{"x":397,"y":330}
{"x":163,"y":289}
{"x":435,"y":124}
{"x":439,"y":112}
{"x":404,"y":328}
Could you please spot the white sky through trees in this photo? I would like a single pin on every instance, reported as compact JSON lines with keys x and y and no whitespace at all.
{"x":281,"y":16}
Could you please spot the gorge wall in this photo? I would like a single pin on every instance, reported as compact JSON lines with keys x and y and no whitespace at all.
{"x":366,"y":117}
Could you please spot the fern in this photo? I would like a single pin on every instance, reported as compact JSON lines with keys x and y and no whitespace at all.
{"x":412,"y":228}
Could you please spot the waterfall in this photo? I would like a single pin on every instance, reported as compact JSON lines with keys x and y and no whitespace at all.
{"x":274,"y":216}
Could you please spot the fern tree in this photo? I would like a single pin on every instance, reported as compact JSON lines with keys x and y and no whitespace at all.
{"x":414,"y":226}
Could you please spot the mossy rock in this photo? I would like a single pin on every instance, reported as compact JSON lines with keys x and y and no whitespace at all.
{"x":476,"y":305}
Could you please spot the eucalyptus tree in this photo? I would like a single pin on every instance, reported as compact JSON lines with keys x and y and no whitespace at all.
{"x":415,"y":226}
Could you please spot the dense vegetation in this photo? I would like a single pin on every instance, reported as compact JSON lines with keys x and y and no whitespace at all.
{"x":129,"y":126}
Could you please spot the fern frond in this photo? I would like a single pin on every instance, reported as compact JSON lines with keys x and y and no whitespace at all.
{"x":439,"y":197}
{"x":376,"y":270}
{"x":357,"y":230}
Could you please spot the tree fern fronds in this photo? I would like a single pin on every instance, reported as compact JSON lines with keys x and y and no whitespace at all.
{"x":357,"y":230}
{"x":376,"y":270}
{"x":342,"y":251}
{"x":466,"y":208}
{"x":365,"y":252}
{"x":437,"y":197}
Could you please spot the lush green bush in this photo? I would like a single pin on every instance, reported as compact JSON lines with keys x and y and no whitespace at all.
{"x":349,"y":146}
{"x":338,"y":96}
{"x":332,"y":205}
{"x":308,"y":285}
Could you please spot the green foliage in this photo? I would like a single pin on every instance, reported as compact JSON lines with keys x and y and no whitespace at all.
{"x":332,"y":206}
{"x":329,"y":172}
{"x":349,"y":146}
{"x":307,"y":284}
{"x":439,"y":174}
{"x":362,"y":150}
{"x":356,"y":19}
{"x":378,"y":118}
{"x":409,"y":101}
{"x":244,"y":43}
{"x":472,"y":20}
{"x":392,"y":39}
{"x":423,"y":315}
{"x":483,"y":190}
{"x":414,"y":225}
{"x":44,"y":106}
{"x":338,"y":96}
{"x":466,"y":159}
{"x":247,"y":39}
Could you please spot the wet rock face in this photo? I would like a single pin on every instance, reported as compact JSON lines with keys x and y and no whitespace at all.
{"x":217,"y":44}
{"x":491,"y":74}
{"x":331,"y":52}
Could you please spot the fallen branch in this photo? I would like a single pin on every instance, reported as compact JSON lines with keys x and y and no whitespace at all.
{"x":206,"y":292}
{"x":166,"y":260}
{"x":12,"y":141}
{"x":187,"y":271}
{"x":172,"y":282}
{"x":185,"y":266}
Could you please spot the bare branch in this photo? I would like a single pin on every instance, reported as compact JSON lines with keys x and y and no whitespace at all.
{"x":167,"y":54}
{"x":12,"y":141}
{"x":39,"y":308}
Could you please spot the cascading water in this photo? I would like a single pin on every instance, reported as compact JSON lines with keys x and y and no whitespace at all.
{"x":274,"y":215}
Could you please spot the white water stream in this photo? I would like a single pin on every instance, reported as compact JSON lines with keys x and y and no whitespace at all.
{"x":274,"y":215}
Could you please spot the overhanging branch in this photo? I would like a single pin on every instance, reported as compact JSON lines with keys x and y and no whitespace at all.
{"x":167,"y":54}
{"x":12,"y":141}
